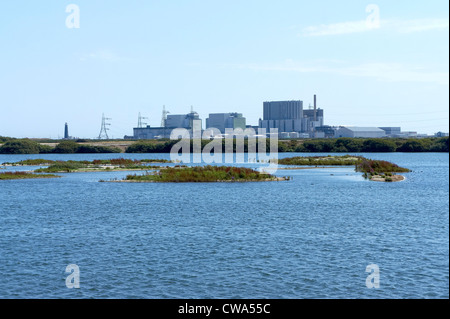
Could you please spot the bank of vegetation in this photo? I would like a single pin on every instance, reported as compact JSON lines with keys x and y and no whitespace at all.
{"x":24,"y":175}
{"x":203,"y":174}
{"x":27,"y":146}
{"x":345,"y":160}
{"x":377,"y":170}
{"x":96,"y":165}
{"x":381,"y":171}
{"x":339,"y":145}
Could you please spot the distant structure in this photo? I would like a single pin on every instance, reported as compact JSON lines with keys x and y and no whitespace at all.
{"x":286,"y":116}
{"x":190,"y":122}
{"x":104,"y":130}
{"x":222,"y":121}
{"x":141,"y":123}
{"x":289,"y":117}
{"x":392,"y":131}
{"x":368,"y":132}
{"x":324,"y":131}
{"x":441,"y":134}
{"x":291,"y":120}
{"x":66,"y":132}
{"x":164,"y":116}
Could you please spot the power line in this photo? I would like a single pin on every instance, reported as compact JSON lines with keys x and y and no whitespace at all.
{"x":378,"y":114}
{"x":104,"y":130}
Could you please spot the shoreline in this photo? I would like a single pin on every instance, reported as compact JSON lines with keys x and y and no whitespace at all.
{"x":277,"y":179}
{"x":395,"y":179}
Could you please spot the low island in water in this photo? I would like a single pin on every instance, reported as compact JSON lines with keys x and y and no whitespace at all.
{"x":375,"y":170}
{"x":201,"y":174}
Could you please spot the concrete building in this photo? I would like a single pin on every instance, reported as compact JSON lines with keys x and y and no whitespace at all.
{"x":289,"y":117}
{"x":311,"y":121}
{"x":190,"y":121}
{"x":222,"y":121}
{"x":286,"y":116}
{"x":391,"y":131}
{"x":441,"y":134}
{"x":406,"y":134}
{"x":367,"y":132}
{"x":325,"y":131}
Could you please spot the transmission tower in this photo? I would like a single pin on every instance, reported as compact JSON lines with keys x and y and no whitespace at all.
{"x":141,"y":123}
{"x":164,"y":116}
{"x":104,"y":130}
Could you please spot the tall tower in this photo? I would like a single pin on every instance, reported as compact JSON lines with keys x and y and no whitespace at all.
{"x":104,"y":130}
{"x":66,"y":131}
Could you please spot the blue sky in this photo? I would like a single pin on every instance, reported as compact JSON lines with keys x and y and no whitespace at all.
{"x":221,"y":56}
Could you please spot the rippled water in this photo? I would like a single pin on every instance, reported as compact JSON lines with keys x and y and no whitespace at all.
{"x":310,"y":237}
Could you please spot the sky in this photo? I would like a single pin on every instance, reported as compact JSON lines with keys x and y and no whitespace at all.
{"x":381,"y":63}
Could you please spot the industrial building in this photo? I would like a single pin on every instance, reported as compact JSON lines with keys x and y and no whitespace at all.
{"x":222,"y":121}
{"x":392,"y":131}
{"x":367,"y":132}
{"x":324,"y":131}
{"x":190,"y":122}
{"x":311,"y":123}
{"x":286,"y":116}
{"x":291,"y":119}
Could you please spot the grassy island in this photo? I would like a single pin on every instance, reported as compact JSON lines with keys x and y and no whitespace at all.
{"x":381,"y":171}
{"x":375,"y":170}
{"x":119,"y":164}
{"x":117,"y":161}
{"x":346,"y":160}
{"x":24,"y":175}
{"x":203,"y":174}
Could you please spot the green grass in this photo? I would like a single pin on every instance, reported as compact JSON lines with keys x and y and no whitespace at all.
{"x":375,"y":167}
{"x":118,"y":163}
{"x":345,"y":160}
{"x":201,"y":174}
{"x":62,"y":167}
{"x":31,"y":162}
{"x":23,"y":175}
{"x":369,"y":167}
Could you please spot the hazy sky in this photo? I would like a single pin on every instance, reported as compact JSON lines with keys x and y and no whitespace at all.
{"x":221,"y":56}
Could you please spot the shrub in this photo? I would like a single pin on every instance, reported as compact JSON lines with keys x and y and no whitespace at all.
{"x":202,"y":174}
{"x":45,"y":149}
{"x":96,"y":149}
{"x":379,"y":145}
{"x":24,"y":146}
{"x":66,"y":147}
{"x":61,"y":167}
{"x":375,"y":167}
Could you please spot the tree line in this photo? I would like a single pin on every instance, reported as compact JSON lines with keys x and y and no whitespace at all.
{"x":26,"y":146}
{"x":340,"y":145}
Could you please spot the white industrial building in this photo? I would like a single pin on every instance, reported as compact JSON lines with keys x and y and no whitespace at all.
{"x":367,"y":132}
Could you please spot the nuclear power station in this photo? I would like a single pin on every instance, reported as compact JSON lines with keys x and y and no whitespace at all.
{"x":288,"y":117}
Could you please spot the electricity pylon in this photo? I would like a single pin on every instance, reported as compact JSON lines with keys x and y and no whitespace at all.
{"x":104,"y":130}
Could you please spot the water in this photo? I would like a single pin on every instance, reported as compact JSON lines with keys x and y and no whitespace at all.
{"x":310,"y":237}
